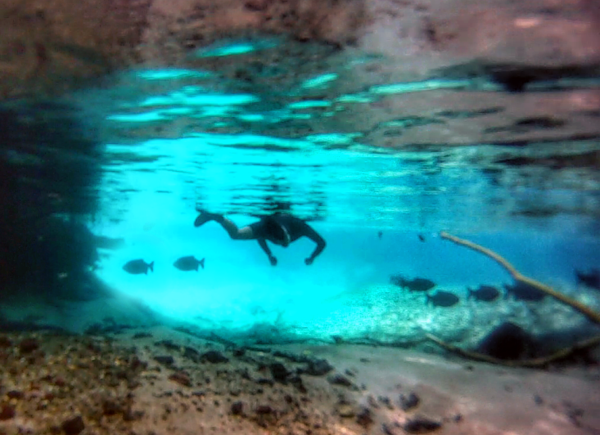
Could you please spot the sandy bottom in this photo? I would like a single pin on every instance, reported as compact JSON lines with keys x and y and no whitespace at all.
{"x":159,"y":381}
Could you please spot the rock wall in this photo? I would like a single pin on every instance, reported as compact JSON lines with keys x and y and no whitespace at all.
{"x":50,"y":45}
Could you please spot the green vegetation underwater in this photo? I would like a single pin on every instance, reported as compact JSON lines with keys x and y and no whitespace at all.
{"x":299,"y":217}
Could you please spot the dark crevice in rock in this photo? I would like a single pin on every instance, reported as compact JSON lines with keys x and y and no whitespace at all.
{"x":589,"y":159}
{"x":517,"y":77}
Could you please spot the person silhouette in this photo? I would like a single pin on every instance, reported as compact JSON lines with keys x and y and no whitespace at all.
{"x":278,"y":228}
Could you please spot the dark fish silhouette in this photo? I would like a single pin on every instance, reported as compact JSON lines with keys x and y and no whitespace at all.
{"x":524,"y":292}
{"x":591,"y":279}
{"x":188,"y":263}
{"x":414,"y":285}
{"x":442,"y":299}
{"x":485,"y":293}
{"x":380,"y":234}
{"x":137,"y":267}
{"x":421,"y":237}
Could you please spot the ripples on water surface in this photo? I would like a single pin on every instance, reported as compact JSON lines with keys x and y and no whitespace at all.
{"x":244,"y":136}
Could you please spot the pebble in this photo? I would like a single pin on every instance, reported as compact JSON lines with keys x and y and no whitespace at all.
{"x":264,"y":409}
{"x":7,"y":412}
{"x":279,"y":372}
{"x":212,"y":356}
{"x":573,"y":412}
{"x":339,"y":379}
{"x":181,"y":378}
{"x":364,"y":417}
{"x":386,"y":401}
{"x":410,"y":402}
{"x":346,"y":410}
{"x":239,"y":352}
{"x":111,"y":407}
{"x":164,"y":359}
{"x":318,"y":367}
{"x":137,"y":363}
{"x":167,"y":344}
{"x":237,"y":407}
{"x":421,"y":425}
{"x":256,"y":5}
{"x":372,"y":402}
{"x":244,"y":373}
{"x":73,"y":426}
{"x":29,"y":345}
{"x":296,"y":381}
{"x":130,"y":415}
{"x":15,"y":394}
{"x":191,"y":354}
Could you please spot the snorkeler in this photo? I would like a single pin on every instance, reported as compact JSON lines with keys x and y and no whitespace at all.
{"x":278,"y":228}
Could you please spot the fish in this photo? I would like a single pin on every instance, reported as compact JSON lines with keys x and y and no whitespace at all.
{"x":442,"y":299}
{"x":188,"y":263}
{"x":591,"y":279}
{"x":421,"y":237}
{"x":380,"y":234}
{"x":415,"y":285}
{"x":524,"y":292}
{"x":137,"y":267}
{"x":485,"y":293}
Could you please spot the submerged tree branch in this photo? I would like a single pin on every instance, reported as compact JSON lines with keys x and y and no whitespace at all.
{"x":535,"y":362}
{"x":583,"y":309}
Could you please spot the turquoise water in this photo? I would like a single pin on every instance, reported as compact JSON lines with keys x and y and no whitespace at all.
{"x":158,"y":144}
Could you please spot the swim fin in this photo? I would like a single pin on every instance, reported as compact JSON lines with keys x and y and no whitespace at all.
{"x":203,"y":217}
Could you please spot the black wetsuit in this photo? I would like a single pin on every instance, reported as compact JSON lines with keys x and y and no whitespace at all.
{"x":278,"y":228}
{"x":269,"y":227}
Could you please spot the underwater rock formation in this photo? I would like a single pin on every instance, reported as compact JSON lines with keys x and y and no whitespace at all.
{"x":74,"y":40}
{"x":48,"y":177}
{"x":516,"y":43}
{"x":507,"y":341}
{"x":51,"y":259}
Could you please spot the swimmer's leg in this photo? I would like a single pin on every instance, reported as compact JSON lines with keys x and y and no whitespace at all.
{"x":245,"y":233}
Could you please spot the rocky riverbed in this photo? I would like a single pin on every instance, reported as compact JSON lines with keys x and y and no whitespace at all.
{"x":160,"y":381}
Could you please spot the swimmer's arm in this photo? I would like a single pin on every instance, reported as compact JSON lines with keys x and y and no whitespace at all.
{"x":315,"y":237}
{"x":263,"y":244}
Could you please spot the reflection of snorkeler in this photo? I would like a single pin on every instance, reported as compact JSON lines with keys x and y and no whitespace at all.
{"x":278,"y":228}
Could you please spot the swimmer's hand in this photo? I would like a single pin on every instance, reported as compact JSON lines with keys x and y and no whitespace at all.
{"x":309,"y":261}
{"x":273,"y":260}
